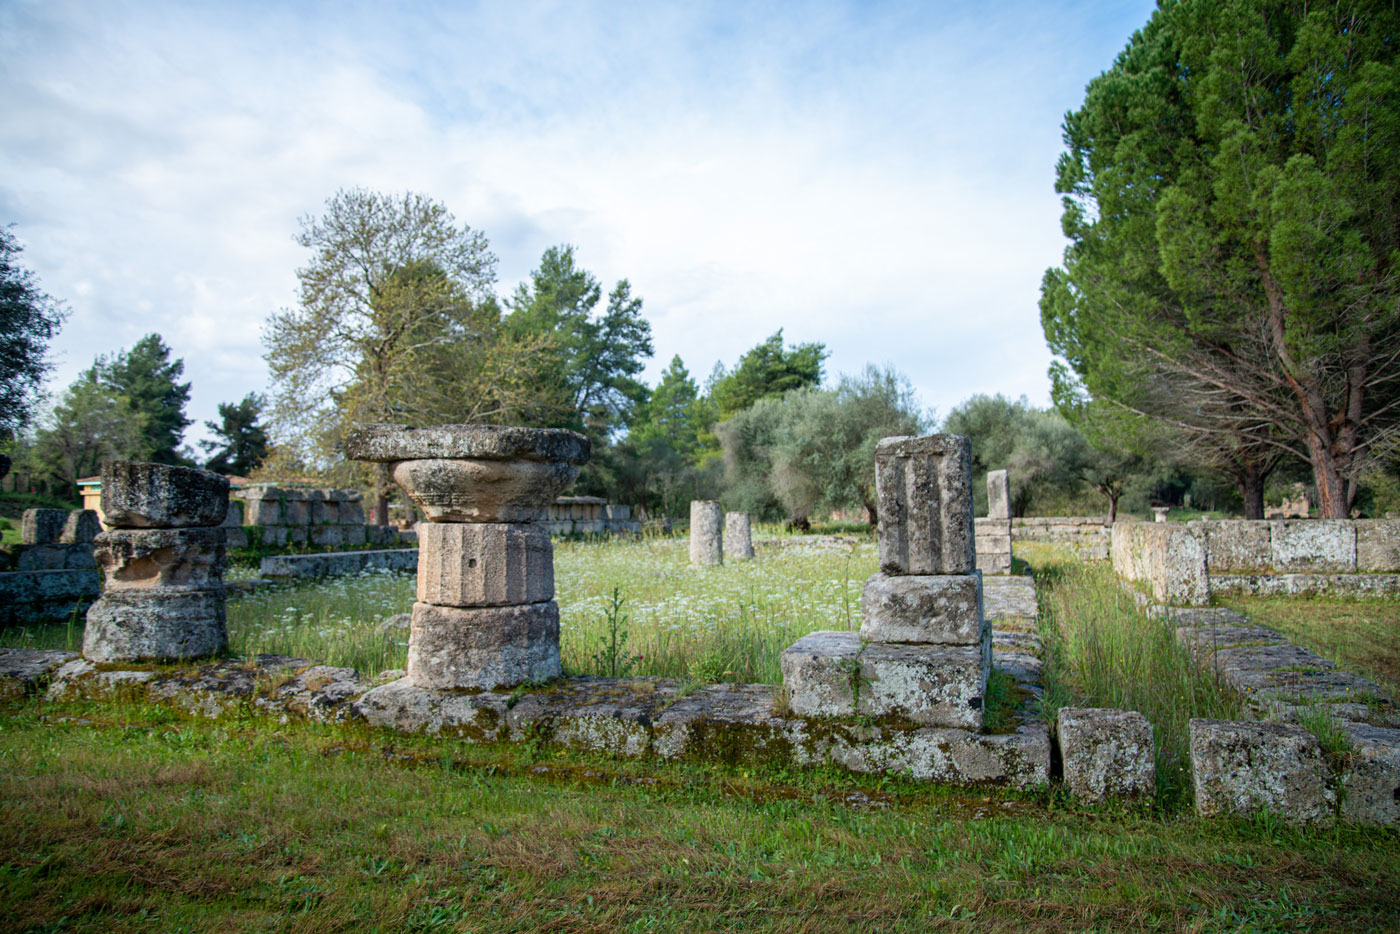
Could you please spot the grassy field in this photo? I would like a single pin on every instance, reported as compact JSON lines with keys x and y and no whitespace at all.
{"x":1361,"y":635}
{"x":130,"y":819}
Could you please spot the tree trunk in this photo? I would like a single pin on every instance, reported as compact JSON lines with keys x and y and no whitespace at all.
{"x":1250,"y":480}
{"x":1331,"y":488}
{"x":1112,"y":507}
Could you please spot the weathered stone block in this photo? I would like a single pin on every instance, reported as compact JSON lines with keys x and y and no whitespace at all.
{"x":998,"y":495}
{"x":278,"y":536}
{"x":590,"y":526}
{"x":738,"y":538}
{"x":325,"y":512}
{"x":935,"y":609}
{"x":706,"y":545}
{"x":484,"y":564}
{"x":1378,"y":545}
{"x":820,"y":672}
{"x":924,"y":493}
{"x":1170,"y":557}
{"x":327,"y":536}
{"x":265,"y":512}
{"x":297,"y":512}
{"x":138,"y":495}
{"x":1107,"y":754}
{"x":1313,"y":545}
{"x":484,"y":647}
{"x":1372,"y":778}
{"x":483,"y":490}
{"x":129,"y":625}
{"x":42,"y":526}
{"x":81,"y":527}
{"x":618,"y":513}
{"x":164,"y":559}
{"x":1244,"y":767}
{"x":233,"y":519}
{"x":389,"y":443}
{"x":931,"y":685}
{"x":236,"y":538}
{"x":353,"y":536}
{"x":351,"y":512}
{"x":1240,"y":545}
{"x":41,"y":557}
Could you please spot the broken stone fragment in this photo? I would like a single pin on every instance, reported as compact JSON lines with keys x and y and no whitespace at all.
{"x":944,"y":609}
{"x":155,"y":623}
{"x":160,"y":496}
{"x":1107,"y":754}
{"x":483,"y":647}
{"x":168,"y":559}
{"x":1242,"y":767}
{"x":924,"y":493}
{"x":484,"y":564}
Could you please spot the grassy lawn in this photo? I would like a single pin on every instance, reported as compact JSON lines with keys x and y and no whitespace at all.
{"x":1360,"y":635}
{"x":131,"y":819}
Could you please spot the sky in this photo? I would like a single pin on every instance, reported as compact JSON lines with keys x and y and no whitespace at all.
{"x":878,"y":177}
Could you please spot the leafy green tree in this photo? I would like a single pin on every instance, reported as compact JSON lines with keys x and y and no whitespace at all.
{"x":1231,"y":187}
{"x":29,"y":318}
{"x":597,"y":356}
{"x":148,"y":380}
{"x":664,"y":458}
{"x":240,"y":442}
{"x":89,"y":423}
{"x":766,"y":370}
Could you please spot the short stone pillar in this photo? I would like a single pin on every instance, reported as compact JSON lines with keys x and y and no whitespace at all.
{"x":994,"y":532}
{"x":163,"y":556}
{"x":924,"y":649}
{"x":738,"y":539}
{"x":485,"y":616}
{"x":998,"y":495}
{"x":706,"y":520}
{"x":1159,"y":513}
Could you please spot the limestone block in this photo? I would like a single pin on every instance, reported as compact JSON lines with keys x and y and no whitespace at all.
{"x":473,"y":564}
{"x":388,"y":443}
{"x":1378,"y":545}
{"x":233,"y":519}
{"x":327,"y":536}
{"x":998,"y":495}
{"x":994,"y":563}
{"x":80,"y":527}
{"x":1372,"y":779}
{"x":265,"y":512}
{"x":738,"y":539}
{"x":940,"y":685}
{"x":325,"y":512}
{"x":934,"y":609}
{"x":297,"y":512}
{"x":924,"y":492}
{"x":45,"y":557}
{"x":619,"y":513}
{"x":706,"y":546}
{"x":483,"y":490}
{"x":590,"y":526}
{"x":353,"y":536}
{"x":1170,"y":557}
{"x":820,"y":671}
{"x":352,"y":512}
{"x":42,"y":526}
{"x":236,"y":538}
{"x":1107,"y":754}
{"x":1239,"y":545}
{"x":138,"y":495}
{"x":294,"y":535}
{"x":128,"y":625}
{"x":1243,"y":767}
{"x":483,"y":647}
{"x":35,"y":596}
{"x":1313,"y":545}
{"x":162,"y":559}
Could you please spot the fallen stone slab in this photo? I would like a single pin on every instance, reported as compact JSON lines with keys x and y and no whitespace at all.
{"x":1242,"y":767}
{"x":25,"y":671}
{"x":1107,"y":754}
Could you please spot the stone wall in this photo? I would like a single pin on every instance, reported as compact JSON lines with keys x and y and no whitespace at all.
{"x":1088,"y":536}
{"x":280,"y":567}
{"x":291,"y":516}
{"x":1170,"y":557}
{"x":51,"y":573}
{"x":588,"y":515}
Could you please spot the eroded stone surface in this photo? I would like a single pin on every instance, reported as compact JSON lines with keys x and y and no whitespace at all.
{"x":999,"y":496}
{"x":1009,"y":598}
{"x":23,"y":671}
{"x":1242,"y":767}
{"x":738,"y":538}
{"x":1372,"y":776}
{"x":484,"y":564}
{"x":1311,"y":545}
{"x":484,"y":647}
{"x":1107,"y":754}
{"x":936,"y":609}
{"x":1378,"y":545}
{"x":138,"y":496}
{"x":170,"y":559}
{"x":706,"y":541}
{"x":42,"y":526}
{"x":81,"y":527}
{"x":481,"y":490}
{"x":479,"y":442}
{"x":924,"y":492}
{"x":933,"y":685}
{"x":154,"y":623}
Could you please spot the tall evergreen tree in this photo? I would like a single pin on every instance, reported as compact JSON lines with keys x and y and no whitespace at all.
{"x":150,"y":382}
{"x":29,"y":318}
{"x":240,"y":441}
{"x":766,"y":370}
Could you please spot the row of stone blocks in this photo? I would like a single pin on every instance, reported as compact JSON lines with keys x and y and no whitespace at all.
{"x":276,"y":506}
{"x":53,"y":540}
{"x":163,"y":558}
{"x":326,"y":536}
{"x":923,"y":654}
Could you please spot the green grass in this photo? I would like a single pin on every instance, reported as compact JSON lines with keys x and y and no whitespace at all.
{"x":1359,"y":635}
{"x":133,"y":819}
{"x":1103,"y":650}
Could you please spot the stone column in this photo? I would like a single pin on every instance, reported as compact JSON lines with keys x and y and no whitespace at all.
{"x":927,"y":647}
{"x":485,"y":616}
{"x":738,"y":541}
{"x":706,"y":518}
{"x":994,"y":532}
{"x":998,"y":495}
{"x":163,"y":556}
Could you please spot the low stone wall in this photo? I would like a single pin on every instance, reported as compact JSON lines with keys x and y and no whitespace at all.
{"x":290,"y":516}
{"x":1169,"y":557}
{"x":1088,"y":536}
{"x":1301,"y":546}
{"x":589,"y":515}
{"x":47,"y":596}
{"x":338,"y":563}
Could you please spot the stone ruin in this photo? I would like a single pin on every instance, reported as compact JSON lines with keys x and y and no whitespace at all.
{"x":295,"y":516}
{"x":738,"y":536}
{"x":485,"y":616}
{"x":924,"y":651}
{"x":715,"y":533}
{"x":994,"y":532}
{"x":163,"y":558}
{"x":51,"y":574}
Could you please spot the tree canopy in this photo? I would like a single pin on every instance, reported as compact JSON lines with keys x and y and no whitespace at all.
{"x":239,"y":444}
{"x":149,"y":381}
{"x":29,"y":318}
{"x":768,"y":369}
{"x":1231,"y":192}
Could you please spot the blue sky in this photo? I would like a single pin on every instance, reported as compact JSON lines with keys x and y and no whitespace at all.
{"x":875,"y":176}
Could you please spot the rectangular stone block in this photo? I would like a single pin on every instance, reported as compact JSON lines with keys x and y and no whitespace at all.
{"x":472,"y":564}
{"x":1170,"y":557}
{"x":1378,"y":545}
{"x":1372,"y":778}
{"x":924,"y":493}
{"x":130,"y":625}
{"x":327,"y":536}
{"x":138,"y":495}
{"x":351,"y":512}
{"x":619,"y":513}
{"x":324,"y":512}
{"x":264,"y":512}
{"x":42,"y":557}
{"x":1313,"y":545}
{"x":1239,"y":768}
{"x":998,"y":495}
{"x":1107,"y":754}
{"x":236,"y":538}
{"x":295,"y":535}
{"x":42,"y":526}
{"x":277,"y":535}
{"x":233,"y":519}
{"x":820,"y":672}
{"x":590,"y":526}
{"x":352,"y":536}
{"x":297,"y":512}
{"x":483,"y":647}
{"x":81,"y":527}
{"x":931,"y":609}
{"x":1242,"y":546}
